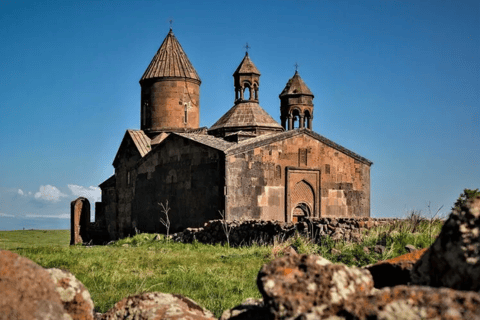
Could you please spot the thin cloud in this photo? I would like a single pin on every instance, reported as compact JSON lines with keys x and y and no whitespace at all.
{"x":49,"y":193}
{"x":49,"y":216}
{"x":6,"y":215}
{"x":20,"y":192}
{"x":92,"y":193}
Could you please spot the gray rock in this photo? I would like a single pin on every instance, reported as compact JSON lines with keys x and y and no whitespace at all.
{"x":157,"y":306}
{"x":296,"y":284}
{"x":75,"y":297}
{"x":453,"y":260}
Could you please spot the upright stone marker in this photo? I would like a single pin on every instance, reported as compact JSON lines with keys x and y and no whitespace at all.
{"x":79,"y":220}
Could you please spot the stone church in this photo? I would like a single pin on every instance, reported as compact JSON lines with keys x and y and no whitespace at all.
{"x":247,"y":165}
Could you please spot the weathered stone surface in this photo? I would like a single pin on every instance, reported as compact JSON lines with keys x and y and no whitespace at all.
{"x":396,"y":271}
{"x":75,"y":297}
{"x":157,"y":306}
{"x":79,"y":220}
{"x":453,"y":260}
{"x":410,"y":248}
{"x":408,"y":302}
{"x":250,"y":309}
{"x":293,"y":285}
{"x":27,"y":291}
{"x":250,"y":231}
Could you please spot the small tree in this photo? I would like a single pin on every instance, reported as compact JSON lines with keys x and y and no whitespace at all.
{"x":467,"y":194}
{"x":166,"y":222}
{"x":226,"y":228}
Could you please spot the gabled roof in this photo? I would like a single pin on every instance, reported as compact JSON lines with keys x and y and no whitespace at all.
{"x":110,"y":182}
{"x":141,"y":141}
{"x":246,"y":66}
{"x":296,"y":86}
{"x":246,"y":114}
{"x":208,"y":140}
{"x":170,"y":61}
{"x":252,"y":143}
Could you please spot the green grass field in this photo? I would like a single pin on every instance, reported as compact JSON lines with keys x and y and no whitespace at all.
{"x":215,"y":276}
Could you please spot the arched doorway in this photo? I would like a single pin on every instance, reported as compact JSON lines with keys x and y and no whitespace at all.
{"x":301,"y":212}
{"x":302,"y":200}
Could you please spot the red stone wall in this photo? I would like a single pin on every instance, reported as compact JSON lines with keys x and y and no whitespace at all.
{"x":261,"y":182}
{"x":163,"y":104}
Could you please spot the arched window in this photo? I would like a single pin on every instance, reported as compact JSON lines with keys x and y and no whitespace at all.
{"x":296,"y":118}
{"x":185,"y":119}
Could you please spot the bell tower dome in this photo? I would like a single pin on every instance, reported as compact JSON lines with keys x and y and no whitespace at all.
{"x":246,"y":77}
{"x":170,"y":91}
{"x":246,"y":117}
{"x":296,"y":103}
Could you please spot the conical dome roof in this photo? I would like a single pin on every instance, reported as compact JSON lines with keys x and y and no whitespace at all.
{"x":170,"y":61}
{"x":296,"y":86}
{"x":246,"y":66}
{"x":246,"y":114}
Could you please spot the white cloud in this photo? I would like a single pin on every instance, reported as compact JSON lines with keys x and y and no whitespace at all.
{"x":20,"y":192}
{"x":60,"y":216}
{"x":92,"y":193}
{"x":7,"y":215}
{"x":49,"y":193}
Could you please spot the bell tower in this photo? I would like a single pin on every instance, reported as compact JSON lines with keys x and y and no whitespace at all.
{"x":170,"y":91}
{"x":296,"y":103}
{"x":246,"y":80}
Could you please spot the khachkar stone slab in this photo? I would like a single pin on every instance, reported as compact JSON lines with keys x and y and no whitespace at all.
{"x":79,"y":220}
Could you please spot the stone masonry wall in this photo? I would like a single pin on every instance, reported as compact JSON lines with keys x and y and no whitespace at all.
{"x":186,"y":174}
{"x":163,"y":104}
{"x":265,"y":183}
{"x":250,"y":231}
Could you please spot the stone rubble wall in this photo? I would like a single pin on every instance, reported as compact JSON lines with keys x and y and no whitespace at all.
{"x":247,"y":232}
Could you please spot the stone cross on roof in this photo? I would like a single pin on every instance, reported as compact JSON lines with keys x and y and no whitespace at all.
{"x":247,"y":47}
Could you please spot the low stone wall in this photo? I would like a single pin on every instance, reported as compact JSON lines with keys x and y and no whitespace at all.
{"x":247,"y":232}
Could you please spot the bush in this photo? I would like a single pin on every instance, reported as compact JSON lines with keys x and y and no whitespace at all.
{"x":466,"y":195}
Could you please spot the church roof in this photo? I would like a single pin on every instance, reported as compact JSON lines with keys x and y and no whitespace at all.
{"x":246,"y":66}
{"x":295,"y":85}
{"x":170,"y":61}
{"x":246,"y":114}
{"x":208,"y":140}
{"x":140,"y":140}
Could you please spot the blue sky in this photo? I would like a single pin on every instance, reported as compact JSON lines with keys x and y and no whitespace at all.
{"x":396,"y":82}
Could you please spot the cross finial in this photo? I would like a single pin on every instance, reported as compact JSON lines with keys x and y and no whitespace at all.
{"x":171,"y":24}
{"x":296,"y":67}
{"x":247,"y":47}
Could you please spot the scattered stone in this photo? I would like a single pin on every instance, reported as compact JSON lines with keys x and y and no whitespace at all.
{"x":250,"y":231}
{"x":157,"y":237}
{"x":412,"y":302}
{"x":290,"y":251}
{"x":296,"y":284}
{"x":453,"y":260}
{"x":396,"y":271}
{"x":75,"y":297}
{"x":27,"y":291}
{"x":250,"y":309}
{"x":157,"y":306}
{"x":410,"y":248}
{"x":366,"y":250}
{"x":379,"y":249}
{"x":335,"y":251}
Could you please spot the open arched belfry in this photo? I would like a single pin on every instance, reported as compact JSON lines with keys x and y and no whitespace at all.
{"x":246,"y":165}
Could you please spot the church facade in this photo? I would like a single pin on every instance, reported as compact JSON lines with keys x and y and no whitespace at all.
{"x":245,"y":166}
